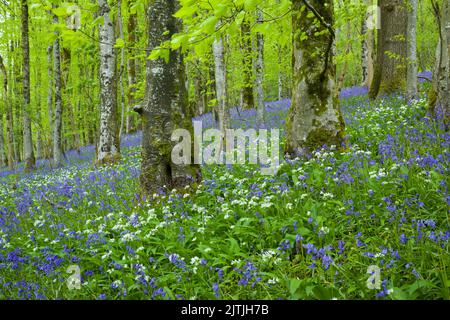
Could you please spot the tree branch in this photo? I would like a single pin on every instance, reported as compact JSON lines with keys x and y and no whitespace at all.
{"x":319,"y":17}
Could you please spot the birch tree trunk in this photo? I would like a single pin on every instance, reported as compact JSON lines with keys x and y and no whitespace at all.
{"x":247,"y":98}
{"x":221,"y":84}
{"x":109,"y":143}
{"x":411,"y":80}
{"x":165,"y":108}
{"x":314,"y":118}
{"x":390,"y":70}
{"x":57,"y":144}
{"x":29,"y":159}
{"x":259,"y":72}
{"x":9,"y":116}
{"x":368,"y":45}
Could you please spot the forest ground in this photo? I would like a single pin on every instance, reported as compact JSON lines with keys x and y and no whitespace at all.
{"x":310,"y":232}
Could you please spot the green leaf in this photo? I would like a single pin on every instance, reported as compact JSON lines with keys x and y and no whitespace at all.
{"x":60,"y":12}
{"x":120,"y":43}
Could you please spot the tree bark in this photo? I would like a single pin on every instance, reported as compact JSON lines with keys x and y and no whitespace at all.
{"x":9,"y":117}
{"x":314,"y":118}
{"x":132,"y":38}
{"x":390,"y":70}
{"x":50,"y":95}
{"x":442,"y":74}
{"x":122,"y":70}
{"x":259,"y":72}
{"x":221,"y":85}
{"x":109,"y":143}
{"x":165,"y":107}
{"x":57,"y":144}
{"x":30,"y":161}
{"x":368,"y":45}
{"x":411,"y":81}
{"x":248,"y":101}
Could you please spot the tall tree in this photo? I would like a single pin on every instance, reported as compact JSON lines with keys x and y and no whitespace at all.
{"x":259,"y":72}
{"x":132,"y":39}
{"x":121,"y":70}
{"x":109,"y":143}
{"x":50,"y":94}
{"x":221,"y":84}
{"x":368,"y":45}
{"x":411,"y":81}
{"x":57,"y":144}
{"x":314,"y":118}
{"x":247,"y":98}
{"x":9,"y":116}
{"x":390,"y":69}
{"x":165,"y":108}
{"x":441,"y":77}
{"x":27,"y":136}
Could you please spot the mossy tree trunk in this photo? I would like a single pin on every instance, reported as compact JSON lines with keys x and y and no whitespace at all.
{"x":390,"y":68}
{"x":109,"y":142}
{"x":314,"y":118}
{"x":165,"y":108}
{"x":132,"y":39}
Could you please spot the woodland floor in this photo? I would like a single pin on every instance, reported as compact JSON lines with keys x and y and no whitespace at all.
{"x":310,"y":232}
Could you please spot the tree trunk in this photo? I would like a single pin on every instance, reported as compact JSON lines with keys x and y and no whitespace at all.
{"x":368,"y":45}
{"x":131,"y":28}
{"x":348,"y":49}
{"x":9,"y":116}
{"x":30,"y":161}
{"x":390,"y":70}
{"x":50,"y":96}
{"x":2,"y":144}
{"x":108,"y":145}
{"x":247,"y":98}
{"x":259,"y":72}
{"x":221,"y":85}
{"x":39,"y":131}
{"x":442,"y":76}
{"x":57,"y":144}
{"x":411,"y":81}
{"x":314,"y":118}
{"x":165,"y":107}
{"x":280,"y":73}
{"x":122,"y":70}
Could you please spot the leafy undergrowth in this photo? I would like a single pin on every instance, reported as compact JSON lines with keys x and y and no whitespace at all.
{"x":310,"y":232}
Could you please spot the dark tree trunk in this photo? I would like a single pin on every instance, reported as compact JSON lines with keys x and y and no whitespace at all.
{"x":165,"y":108}
{"x":132,"y":38}
{"x":57,"y":135}
{"x":9,"y":117}
{"x":30,"y":161}
{"x":390,"y":68}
